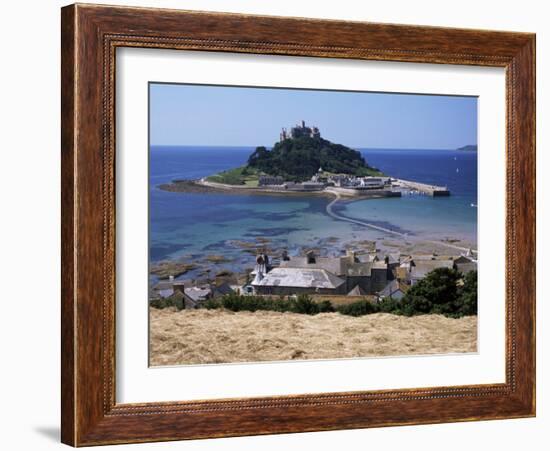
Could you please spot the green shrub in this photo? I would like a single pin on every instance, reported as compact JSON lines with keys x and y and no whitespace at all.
{"x":170,"y":301}
{"x":440,"y":292}
{"x":389,"y":305}
{"x":159,"y":303}
{"x":304,"y":304}
{"x":467,"y":304}
{"x":358,"y":308}
{"x":415,"y":305}
{"x":326,"y":307}
{"x":211,"y":304}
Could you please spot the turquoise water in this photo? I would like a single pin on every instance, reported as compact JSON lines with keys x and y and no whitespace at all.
{"x":193,"y":225}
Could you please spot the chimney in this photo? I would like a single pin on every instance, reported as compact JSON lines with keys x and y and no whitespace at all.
{"x":179,"y":286}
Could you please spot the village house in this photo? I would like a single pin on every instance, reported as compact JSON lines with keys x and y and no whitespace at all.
{"x":393,"y":290}
{"x":192,"y":296}
{"x":323,"y":275}
{"x":413,"y":268}
{"x":290,"y":281}
{"x":163,"y":289}
{"x":186,"y":295}
{"x":465,"y":264}
{"x":351,"y":274}
{"x":269,"y":180}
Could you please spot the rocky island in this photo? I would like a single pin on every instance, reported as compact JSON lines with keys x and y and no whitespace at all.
{"x":304,"y":162}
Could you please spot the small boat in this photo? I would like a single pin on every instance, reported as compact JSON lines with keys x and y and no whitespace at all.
{"x":457,"y":170}
{"x":473,"y":205}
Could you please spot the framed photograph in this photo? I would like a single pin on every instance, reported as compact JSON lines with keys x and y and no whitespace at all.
{"x":278,"y":225}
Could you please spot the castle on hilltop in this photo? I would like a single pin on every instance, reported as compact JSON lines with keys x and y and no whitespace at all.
{"x":300,"y":130}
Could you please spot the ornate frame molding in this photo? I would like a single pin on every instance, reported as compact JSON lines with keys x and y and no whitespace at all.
{"x":90,"y":36}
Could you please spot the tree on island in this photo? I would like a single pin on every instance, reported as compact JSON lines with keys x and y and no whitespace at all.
{"x":298,"y":159}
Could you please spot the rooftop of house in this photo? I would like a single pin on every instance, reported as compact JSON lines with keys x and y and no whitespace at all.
{"x":335,"y":265}
{"x":198,"y":293}
{"x":300,"y":278}
{"x":393,"y":287}
{"x":223,"y":289}
{"x":466,"y":267}
{"x":423,"y":267}
{"x":163,"y":285}
{"x":357,"y":291}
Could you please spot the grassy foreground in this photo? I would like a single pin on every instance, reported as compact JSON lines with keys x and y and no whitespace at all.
{"x":221,"y":336}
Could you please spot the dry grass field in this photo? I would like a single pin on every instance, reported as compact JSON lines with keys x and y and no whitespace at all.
{"x":221,"y":336}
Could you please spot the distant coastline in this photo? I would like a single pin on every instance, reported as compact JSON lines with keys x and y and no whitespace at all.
{"x":468,"y":148}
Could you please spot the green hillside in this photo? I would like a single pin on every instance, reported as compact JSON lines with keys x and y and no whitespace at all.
{"x":297,"y":159}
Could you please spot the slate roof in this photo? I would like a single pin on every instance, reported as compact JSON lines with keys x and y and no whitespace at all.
{"x":197,"y":294}
{"x":335,"y":265}
{"x":223,"y":289}
{"x":423,"y":267}
{"x":163,"y":285}
{"x":300,"y":278}
{"x":357,"y":291}
{"x":391,"y":288}
{"x":465,"y":268}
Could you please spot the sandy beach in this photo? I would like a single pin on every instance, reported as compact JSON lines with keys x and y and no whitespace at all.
{"x":219,"y":336}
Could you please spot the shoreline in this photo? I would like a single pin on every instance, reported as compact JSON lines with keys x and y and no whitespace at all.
{"x":204,"y":186}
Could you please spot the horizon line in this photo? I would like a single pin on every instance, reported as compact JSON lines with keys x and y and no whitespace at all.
{"x":353,"y":147}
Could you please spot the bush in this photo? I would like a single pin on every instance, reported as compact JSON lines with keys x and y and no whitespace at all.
{"x":416,"y":305}
{"x":211,"y":304}
{"x":439,"y":292}
{"x":467,"y":304}
{"x":170,"y":301}
{"x":326,"y":307}
{"x":302,"y":304}
{"x":389,"y":305}
{"x":358,"y":308}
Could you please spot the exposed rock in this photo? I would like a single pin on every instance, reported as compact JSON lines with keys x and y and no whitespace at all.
{"x":165,"y":269}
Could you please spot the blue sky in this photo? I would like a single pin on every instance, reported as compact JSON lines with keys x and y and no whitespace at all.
{"x":235,"y":116}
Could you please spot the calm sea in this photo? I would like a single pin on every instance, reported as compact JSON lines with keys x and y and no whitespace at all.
{"x":195,"y":225}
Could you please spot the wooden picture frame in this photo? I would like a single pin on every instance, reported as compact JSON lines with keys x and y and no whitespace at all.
{"x":90,"y":36}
